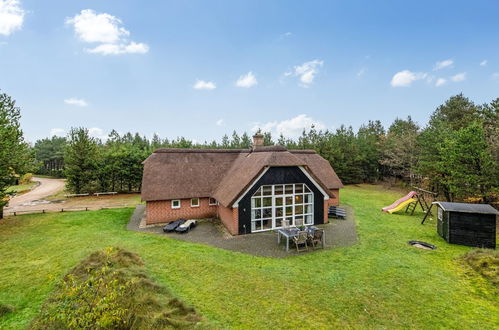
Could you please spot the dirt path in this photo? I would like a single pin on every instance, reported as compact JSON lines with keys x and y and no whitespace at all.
{"x":47,"y":187}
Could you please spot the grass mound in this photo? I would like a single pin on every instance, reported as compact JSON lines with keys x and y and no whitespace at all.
{"x":486,"y":263}
{"x":5,"y":309}
{"x":110,"y":290}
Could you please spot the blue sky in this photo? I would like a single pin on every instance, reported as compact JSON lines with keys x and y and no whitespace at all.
{"x":172,"y":67}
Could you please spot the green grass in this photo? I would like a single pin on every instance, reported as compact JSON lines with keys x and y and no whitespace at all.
{"x":22,"y":188}
{"x":382,"y":282}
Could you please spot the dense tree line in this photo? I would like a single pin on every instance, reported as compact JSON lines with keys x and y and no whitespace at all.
{"x":15,"y":155}
{"x":455,"y":154}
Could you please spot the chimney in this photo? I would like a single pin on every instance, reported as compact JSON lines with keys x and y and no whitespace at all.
{"x":257,"y":140}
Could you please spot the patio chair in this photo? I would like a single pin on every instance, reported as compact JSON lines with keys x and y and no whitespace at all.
{"x":301,"y":239}
{"x":316,"y":238}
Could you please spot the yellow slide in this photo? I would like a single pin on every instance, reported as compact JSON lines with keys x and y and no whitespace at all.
{"x":401,"y":205}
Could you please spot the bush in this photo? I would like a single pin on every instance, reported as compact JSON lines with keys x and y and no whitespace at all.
{"x":486,"y":263}
{"x":26,"y":178}
{"x":109,"y":290}
{"x":5,"y":309}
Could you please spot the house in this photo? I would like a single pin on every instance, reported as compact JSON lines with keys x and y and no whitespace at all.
{"x":250,"y":190}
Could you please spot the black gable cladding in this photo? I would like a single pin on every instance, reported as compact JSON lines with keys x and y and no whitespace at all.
{"x":279,"y":175}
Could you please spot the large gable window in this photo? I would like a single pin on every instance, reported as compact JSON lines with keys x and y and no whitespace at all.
{"x":272,"y":206}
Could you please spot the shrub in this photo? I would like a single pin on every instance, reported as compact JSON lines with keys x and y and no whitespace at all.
{"x":109,"y":290}
{"x":486,"y":263}
{"x":26,"y":178}
{"x":5,"y":309}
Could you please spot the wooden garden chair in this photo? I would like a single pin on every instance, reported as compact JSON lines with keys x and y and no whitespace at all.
{"x":316,"y":238}
{"x":301,"y":239}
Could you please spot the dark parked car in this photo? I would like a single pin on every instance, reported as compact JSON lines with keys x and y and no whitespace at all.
{"x":173,"y":225}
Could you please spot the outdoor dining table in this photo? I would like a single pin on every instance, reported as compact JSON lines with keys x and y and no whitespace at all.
{"x":291,"y":232}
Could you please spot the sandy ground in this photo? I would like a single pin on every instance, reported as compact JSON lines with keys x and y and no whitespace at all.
{"x":38,"y":200}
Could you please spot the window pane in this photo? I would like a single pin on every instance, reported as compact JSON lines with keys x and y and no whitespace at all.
{"x":305,"y":188}
{"x":278,"y":201}
{"x":289,"y":210}
{"x":267,"y":190}
{"x":308,"y":208}
{"x":308,"y":198}
{"x":299,"y":209}
{"x":289,"y":200}
{"x":290,"y":221}
{"x":278,"y":222}
{"x":289,"y":189}
{"x":267,"y":224}
{"x":278,"y":190}
{"x":298,"y":221}
{"x":309,"y":220}
{"x":267,"y":213}
{"x":258,"y":192}
{"x":298,"y":188}
{"x":267,"y":201}
{"x":253,"y":225}
{"x":258,"y":202}
{"x":298,"y":199}
{"x":257,"y":214}
{"x":279,"y":212}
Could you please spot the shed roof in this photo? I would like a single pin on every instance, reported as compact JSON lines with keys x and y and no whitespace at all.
{"x":223,"y":174}
{"x":467,"y":207}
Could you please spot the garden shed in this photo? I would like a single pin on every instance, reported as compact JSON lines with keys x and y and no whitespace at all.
{"x":467,"y":224}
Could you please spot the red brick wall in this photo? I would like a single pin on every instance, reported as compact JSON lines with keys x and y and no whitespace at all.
{"x":332,"y":201}
{"x":229,"y":217}
{"x":161,"y":211}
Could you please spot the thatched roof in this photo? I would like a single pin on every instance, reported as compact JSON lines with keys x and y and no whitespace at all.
{"x":223,"y":174}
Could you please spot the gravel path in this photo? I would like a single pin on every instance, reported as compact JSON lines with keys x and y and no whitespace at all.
{"x":46,"y":188}
{"x":339,"y":233}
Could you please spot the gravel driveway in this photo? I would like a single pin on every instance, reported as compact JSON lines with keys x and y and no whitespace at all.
{"x":46,"y":188}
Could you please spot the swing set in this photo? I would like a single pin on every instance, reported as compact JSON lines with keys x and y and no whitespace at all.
{"x":421,"y":199}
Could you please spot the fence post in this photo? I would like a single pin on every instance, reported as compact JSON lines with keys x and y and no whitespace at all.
{"x":15,"y":214}
{"x":62,"y":210}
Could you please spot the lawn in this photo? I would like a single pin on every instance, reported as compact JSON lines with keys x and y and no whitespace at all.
{"x":382,"y":282}
{"x":22,"y":188}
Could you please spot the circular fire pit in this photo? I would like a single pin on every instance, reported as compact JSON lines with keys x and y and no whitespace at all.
{"x":422,"y":245}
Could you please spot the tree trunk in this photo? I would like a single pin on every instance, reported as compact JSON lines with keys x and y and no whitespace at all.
{"x":1,"y":212}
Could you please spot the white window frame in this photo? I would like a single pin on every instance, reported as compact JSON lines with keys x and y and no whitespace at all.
{"x":179,"y":203}
{"x":273,"y":207}
{"x":199,"y":202}
{"x":214,"y":203}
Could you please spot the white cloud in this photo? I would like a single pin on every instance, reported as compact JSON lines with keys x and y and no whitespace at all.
{"x":287,"y":34}
{"x":204,"y":85}
{"x":98,"y":133}
{"x":440,"y":82}
{"x":77,"y":102}
{"x":405,"y":78}
{"x":247,"y":80}
{"x":116,"y":49}
{"x":290,"y":128}
{"x":220,"y":122}
{"x":495,"y":75}
{"x":107,"y":30}
{"x":306,"y":72}
{"x":361,"y":72}
{"x":443,"y":64}
{"x":483,"y":63}
{"x":11,"y":16}
{"x":458,"y":77}
{"x":57,"y":132}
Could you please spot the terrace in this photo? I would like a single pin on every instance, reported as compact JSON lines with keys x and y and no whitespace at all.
{"x":338,"y":233}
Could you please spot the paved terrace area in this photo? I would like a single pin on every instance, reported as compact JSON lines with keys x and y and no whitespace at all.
{"x":339,"y":233}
